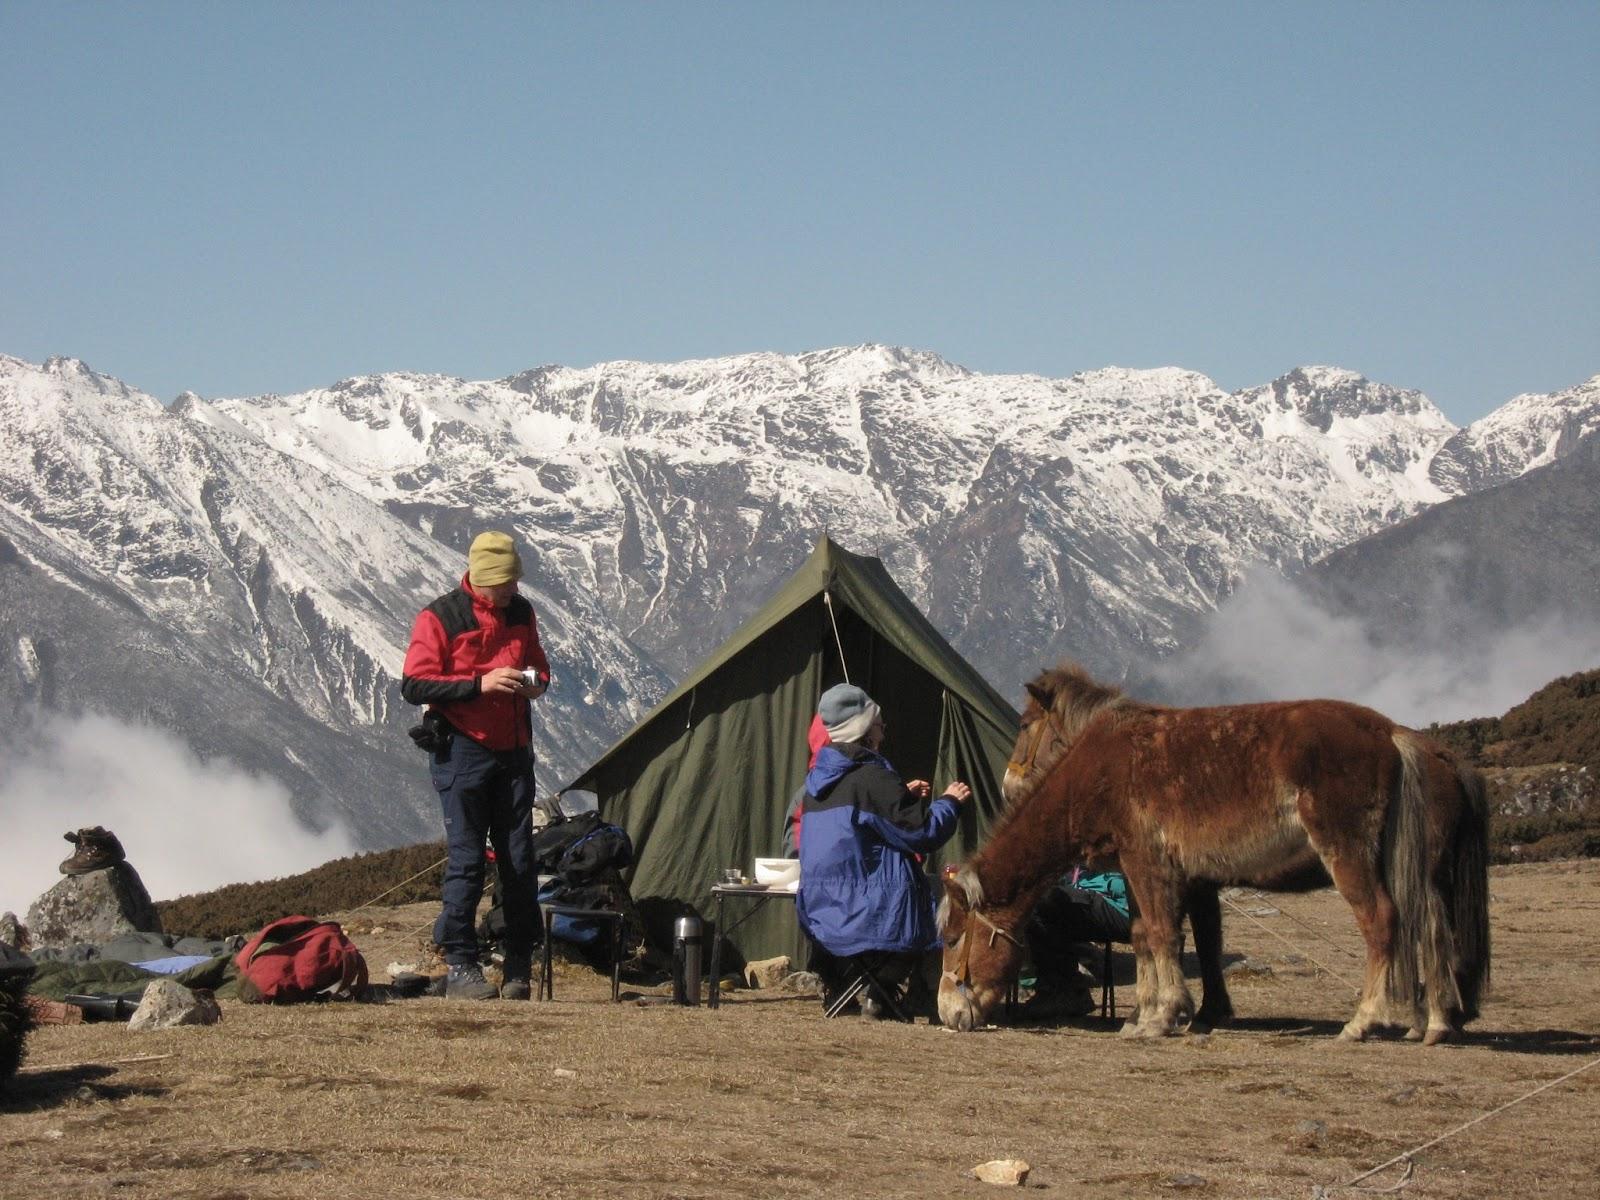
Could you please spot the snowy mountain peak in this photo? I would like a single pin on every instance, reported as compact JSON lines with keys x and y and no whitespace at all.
{"x":1322,"y":394}
{"x":1526,"y":432}
{"x":872,"y":360}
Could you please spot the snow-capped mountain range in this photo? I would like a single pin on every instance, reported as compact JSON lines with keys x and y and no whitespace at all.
{"x":273,"y":550}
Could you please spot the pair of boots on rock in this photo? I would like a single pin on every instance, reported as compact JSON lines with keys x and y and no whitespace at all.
{"x":96,"y":849}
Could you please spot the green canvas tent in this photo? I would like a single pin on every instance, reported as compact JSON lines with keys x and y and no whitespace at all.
{"x":704,"y":781}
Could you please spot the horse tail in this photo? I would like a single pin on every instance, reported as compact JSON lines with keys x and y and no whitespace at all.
{"x":1422,"y":954}
{"x":1469,"y":869}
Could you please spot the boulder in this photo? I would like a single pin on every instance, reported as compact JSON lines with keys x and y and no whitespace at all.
{"x":1541,"y":790}
{"x":13,"y":932}
{"x":93,"y":907}
{"x":802,"y":983}
{"x":768,"y":972}
{"x":168,"y":1003}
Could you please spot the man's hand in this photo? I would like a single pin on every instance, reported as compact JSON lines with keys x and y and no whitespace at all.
{"x":959,"y":792}
{"x":505,"y":681}
{"x":920,"y":788}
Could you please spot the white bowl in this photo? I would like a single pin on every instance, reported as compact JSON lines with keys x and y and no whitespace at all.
{"x":775,"y":872}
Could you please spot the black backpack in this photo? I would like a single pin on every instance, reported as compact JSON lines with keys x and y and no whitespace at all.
{"x":579,"y":848}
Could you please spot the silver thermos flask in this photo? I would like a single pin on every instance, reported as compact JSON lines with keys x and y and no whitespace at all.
{"x":686,"y":941}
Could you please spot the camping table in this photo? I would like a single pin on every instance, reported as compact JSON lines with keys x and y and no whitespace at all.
{"x":758,"y":894}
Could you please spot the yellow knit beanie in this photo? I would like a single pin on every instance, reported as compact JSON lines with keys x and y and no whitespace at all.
{"x":493,"y":560}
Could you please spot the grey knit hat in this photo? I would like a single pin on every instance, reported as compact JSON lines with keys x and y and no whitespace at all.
{"x":847,"y":712}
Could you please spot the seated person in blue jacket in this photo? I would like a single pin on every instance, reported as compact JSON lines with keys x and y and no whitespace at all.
{"x":862,"y":884}
{"x":1085,"y":909}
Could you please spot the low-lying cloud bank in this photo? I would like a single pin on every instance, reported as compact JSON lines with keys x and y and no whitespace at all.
{"x":187,"y":825}
{"x":1271,"y":641}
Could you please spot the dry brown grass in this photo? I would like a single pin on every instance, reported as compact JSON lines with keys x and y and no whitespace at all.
{"x":765,"y":1098}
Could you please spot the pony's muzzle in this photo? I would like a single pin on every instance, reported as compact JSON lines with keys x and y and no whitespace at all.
{"x":958,"y":1007}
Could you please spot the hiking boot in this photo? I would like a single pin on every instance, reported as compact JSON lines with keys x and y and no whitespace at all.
{"x":516,"y":978}
{"x":466,"y":982}
{"x":97,"y":849}
{"x":1058,"y":1002}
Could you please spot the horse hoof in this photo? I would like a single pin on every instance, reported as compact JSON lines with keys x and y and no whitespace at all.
{"x":1134,"y":1029}
{"x":1434,"y":1036}
{"x":1352,"y":1033}
{"x":1414,"y":1034}
{"x":1205,"y":1022}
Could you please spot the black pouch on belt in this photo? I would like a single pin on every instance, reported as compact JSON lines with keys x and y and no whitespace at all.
{"x":433,"y":734}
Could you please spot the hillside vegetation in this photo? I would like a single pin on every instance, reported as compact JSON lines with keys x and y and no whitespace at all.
{"x":1542,"y":761}
{"x":337,"y":886}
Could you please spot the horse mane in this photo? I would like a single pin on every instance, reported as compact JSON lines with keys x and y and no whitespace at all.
{"x":971,"y":887}
{"x":1073,"y":696}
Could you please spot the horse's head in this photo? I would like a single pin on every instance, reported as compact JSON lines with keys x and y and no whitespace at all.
{"x":981,"y":953}
{"x":1060,"y":703}
{"x":1040,"y":742}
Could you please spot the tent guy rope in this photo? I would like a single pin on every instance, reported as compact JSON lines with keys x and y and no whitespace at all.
{"x":1320,"y":1192}
{"x":1300,"y":950}
{"x":827,"y":601}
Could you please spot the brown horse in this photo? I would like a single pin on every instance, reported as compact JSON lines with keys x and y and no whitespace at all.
{"x":1281,"y":796}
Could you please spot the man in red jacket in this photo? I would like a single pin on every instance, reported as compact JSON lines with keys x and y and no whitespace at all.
{"x":475,"y":660}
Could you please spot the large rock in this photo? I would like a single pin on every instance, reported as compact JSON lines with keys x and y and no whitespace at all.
{"x":167,"y":1003}
{"x":1536,"y":791}
{"x":13,"y":932}
{"x":95,"y":907}
{"x":767,"y":972}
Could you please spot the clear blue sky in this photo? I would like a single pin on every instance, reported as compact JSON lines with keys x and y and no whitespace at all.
{"x":244,"y":198}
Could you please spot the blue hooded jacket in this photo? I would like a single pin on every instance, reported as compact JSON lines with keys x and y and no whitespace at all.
{"x":861,"y":887}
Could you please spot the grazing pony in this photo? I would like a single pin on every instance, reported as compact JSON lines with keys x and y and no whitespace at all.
{"x":1282,"y":796}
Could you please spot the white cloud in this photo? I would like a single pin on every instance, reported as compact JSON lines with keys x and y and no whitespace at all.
{"x":186,"y":825}
{"x":1271,"y":642}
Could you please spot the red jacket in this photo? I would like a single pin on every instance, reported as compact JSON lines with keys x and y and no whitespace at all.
{"x":457,"y":640}
{"x":816,"y":739}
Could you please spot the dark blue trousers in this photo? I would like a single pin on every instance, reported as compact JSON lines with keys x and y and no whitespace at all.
{"x":1068,"y":917}
{"x":486,"y":794}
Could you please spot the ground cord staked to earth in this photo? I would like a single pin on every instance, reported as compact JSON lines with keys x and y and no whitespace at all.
{"x":405,"y":937}
{"x":1355,"y":987}
{"x":1320,"y":1192}
{"x":1277,"y":905}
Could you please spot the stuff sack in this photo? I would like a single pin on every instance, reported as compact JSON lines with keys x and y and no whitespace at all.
{"x":299,"y":958}
{"x":579,"y":931}
{"x":593,"y":938}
